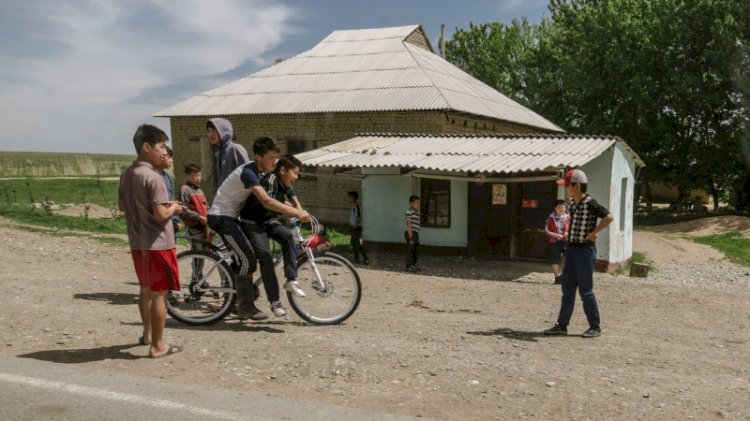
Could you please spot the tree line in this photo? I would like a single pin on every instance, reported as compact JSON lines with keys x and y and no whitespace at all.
{"x":670,"y":77}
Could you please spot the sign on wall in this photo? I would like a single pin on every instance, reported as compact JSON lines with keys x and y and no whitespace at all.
{"x":499,"y":194}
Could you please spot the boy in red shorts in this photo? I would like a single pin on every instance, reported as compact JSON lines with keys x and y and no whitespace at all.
{"x":148,"y":209}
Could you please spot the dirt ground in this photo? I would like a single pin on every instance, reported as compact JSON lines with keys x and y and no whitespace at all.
{"x":460,"y":340}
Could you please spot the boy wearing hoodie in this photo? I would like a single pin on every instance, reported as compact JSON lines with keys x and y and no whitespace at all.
{"x":227,"y":154}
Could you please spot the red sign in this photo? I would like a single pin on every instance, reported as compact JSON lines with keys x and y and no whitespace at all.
{"x":529,"y":203}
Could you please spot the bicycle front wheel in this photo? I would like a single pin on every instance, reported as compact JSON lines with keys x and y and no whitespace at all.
{"x":331,"y":298}
{"x":206,"y":292}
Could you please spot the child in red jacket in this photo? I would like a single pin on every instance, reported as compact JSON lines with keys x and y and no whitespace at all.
{"x":556,"y":229}
{"x":194,"y":201}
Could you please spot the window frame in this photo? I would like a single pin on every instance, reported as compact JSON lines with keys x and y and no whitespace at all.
{"x":430,"y":197}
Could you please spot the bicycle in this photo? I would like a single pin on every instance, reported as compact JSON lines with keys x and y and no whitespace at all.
{"x":333,"y":285}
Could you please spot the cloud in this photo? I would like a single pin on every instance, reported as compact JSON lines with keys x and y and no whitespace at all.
{"x":77,"y":75}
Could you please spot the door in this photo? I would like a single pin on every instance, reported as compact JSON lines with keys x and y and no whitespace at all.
{"x":489,"y":226}
{"x":536,"y":201}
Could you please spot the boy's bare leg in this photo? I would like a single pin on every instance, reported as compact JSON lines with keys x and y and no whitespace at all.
{"x":158,"y":318}
{"x":144,"y":307}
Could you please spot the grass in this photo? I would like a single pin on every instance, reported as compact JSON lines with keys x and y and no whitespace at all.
{"x":637,"y":257}
{"x":733,"y":244}
{"x":75,"y":190}
{"x":39,"y":217}
{"x":48,"y":164}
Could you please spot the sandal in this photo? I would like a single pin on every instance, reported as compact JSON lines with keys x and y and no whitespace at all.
{"x":172,"y":349}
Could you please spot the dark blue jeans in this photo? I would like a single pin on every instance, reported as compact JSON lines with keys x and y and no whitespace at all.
{"x":258,"y":236}
{"x":579,"y":273}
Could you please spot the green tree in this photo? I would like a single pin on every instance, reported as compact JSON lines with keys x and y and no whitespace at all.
{"x":665,"y":75}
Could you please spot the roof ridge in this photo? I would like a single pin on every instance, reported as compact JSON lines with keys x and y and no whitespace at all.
{"x":495,"y":135}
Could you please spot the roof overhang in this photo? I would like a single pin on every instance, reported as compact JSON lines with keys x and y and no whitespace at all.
{"x":500,"y":158}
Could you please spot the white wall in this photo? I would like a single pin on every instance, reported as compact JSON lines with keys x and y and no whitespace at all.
{"x":605,"y":175}
{"x":385,"y":198}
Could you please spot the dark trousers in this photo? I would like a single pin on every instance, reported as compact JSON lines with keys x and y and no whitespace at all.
{"x":356,"y":241}
{"x":412,"y":248}
{"x":199,"y":231}
{"x":258,"y":235}
{"x":579,"y":273}
{"x":232,"y":235}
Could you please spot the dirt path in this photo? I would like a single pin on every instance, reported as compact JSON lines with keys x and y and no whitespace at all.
{"x":447,"y":343}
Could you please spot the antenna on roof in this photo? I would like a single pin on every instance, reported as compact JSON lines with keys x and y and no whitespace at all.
{"x":442,"y":40}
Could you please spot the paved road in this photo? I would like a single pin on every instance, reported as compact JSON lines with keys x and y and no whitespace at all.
{"x":41,"y":390}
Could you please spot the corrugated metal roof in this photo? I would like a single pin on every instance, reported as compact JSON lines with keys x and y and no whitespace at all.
{"x":360,"y":70}
{"x":501,"y":154}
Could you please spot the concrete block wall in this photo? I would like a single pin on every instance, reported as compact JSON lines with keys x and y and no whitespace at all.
{"x":324,"y":196}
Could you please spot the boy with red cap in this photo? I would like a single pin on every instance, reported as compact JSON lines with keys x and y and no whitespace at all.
{"x":580,"y":256}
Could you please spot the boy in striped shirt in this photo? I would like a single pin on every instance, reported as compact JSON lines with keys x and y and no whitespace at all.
{"x":412,"y":233}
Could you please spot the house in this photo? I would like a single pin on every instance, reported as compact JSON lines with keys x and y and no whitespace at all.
{"x":484,"y":194}
{"x":353,"y":81}
{"x":390,"y":81}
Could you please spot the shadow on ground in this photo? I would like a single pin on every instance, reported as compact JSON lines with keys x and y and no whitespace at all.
{"x":521,"y":335}
{"x":115,"y":298}
{"x":85,"y":355}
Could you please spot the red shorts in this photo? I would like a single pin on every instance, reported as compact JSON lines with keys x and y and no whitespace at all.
{"x":156,"y":269}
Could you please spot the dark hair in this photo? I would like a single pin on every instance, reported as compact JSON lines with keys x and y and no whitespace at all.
{"x":353,"y":194}
{"x":287,"y":162}
{"x":413,"y":198}
{"x":584,"y":187}
{"x":559,"y":202}
{"x":192,"y":169}
{"x":169,"y":151}
{"x":263,"y":145}
{"x":146,"y":133}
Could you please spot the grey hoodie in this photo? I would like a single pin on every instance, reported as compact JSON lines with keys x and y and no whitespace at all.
{"x":228,"y":155}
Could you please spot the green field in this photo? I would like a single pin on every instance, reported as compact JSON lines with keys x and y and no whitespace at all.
{"x":50,"y":164}
{"x":102,"y":192}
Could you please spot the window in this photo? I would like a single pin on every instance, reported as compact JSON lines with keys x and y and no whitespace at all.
{"x":298,"y":146}
{"x":436,"y":202}
{"x":295,"y":147}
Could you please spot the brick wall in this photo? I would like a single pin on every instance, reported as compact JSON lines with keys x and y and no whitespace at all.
{"x":326,"y":196}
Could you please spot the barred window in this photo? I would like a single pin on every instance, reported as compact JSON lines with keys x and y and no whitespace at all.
{"x":436,"y":202}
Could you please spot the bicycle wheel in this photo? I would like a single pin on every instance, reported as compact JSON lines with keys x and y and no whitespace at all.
{"x":333,"y":301}
{"x":206,"y":289}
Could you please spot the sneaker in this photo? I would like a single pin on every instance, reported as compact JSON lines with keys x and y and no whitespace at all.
{"x":593,"y":332}
{"x":292,"y":287}
{"x":277,"y":309}
{"x":556,"y":330}
{"x":558,"y":280}
{"x":412,"y":269}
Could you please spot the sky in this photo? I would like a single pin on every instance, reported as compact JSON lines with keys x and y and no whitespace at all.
{"x":81,"y":75}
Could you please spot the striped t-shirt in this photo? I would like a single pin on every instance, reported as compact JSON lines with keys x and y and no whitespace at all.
{"x":413,"y":216}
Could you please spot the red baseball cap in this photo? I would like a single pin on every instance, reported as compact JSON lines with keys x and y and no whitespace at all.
{"x":573,"y":177}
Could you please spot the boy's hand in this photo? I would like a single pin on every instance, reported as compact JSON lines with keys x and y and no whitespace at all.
{"x":203,"y":220}
{"x":303,"y":215}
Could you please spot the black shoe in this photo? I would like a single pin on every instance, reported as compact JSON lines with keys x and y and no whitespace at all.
{"x":556,"y":330}
{"x":593,"y":332}
{"x":249,"y":311}
{"x":412,"y":269}
{"x":558,"y":280}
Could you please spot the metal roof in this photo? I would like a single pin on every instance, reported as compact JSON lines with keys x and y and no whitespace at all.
{"x":483,"y":154}
{"x":385,"y":69}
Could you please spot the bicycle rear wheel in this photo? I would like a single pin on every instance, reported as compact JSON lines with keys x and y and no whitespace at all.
{"x":335,"y":300}
{"x":206,"y":292}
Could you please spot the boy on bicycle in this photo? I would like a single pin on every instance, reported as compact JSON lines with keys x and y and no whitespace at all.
{"x":236,"y":189}
{"x":262,"y":223}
